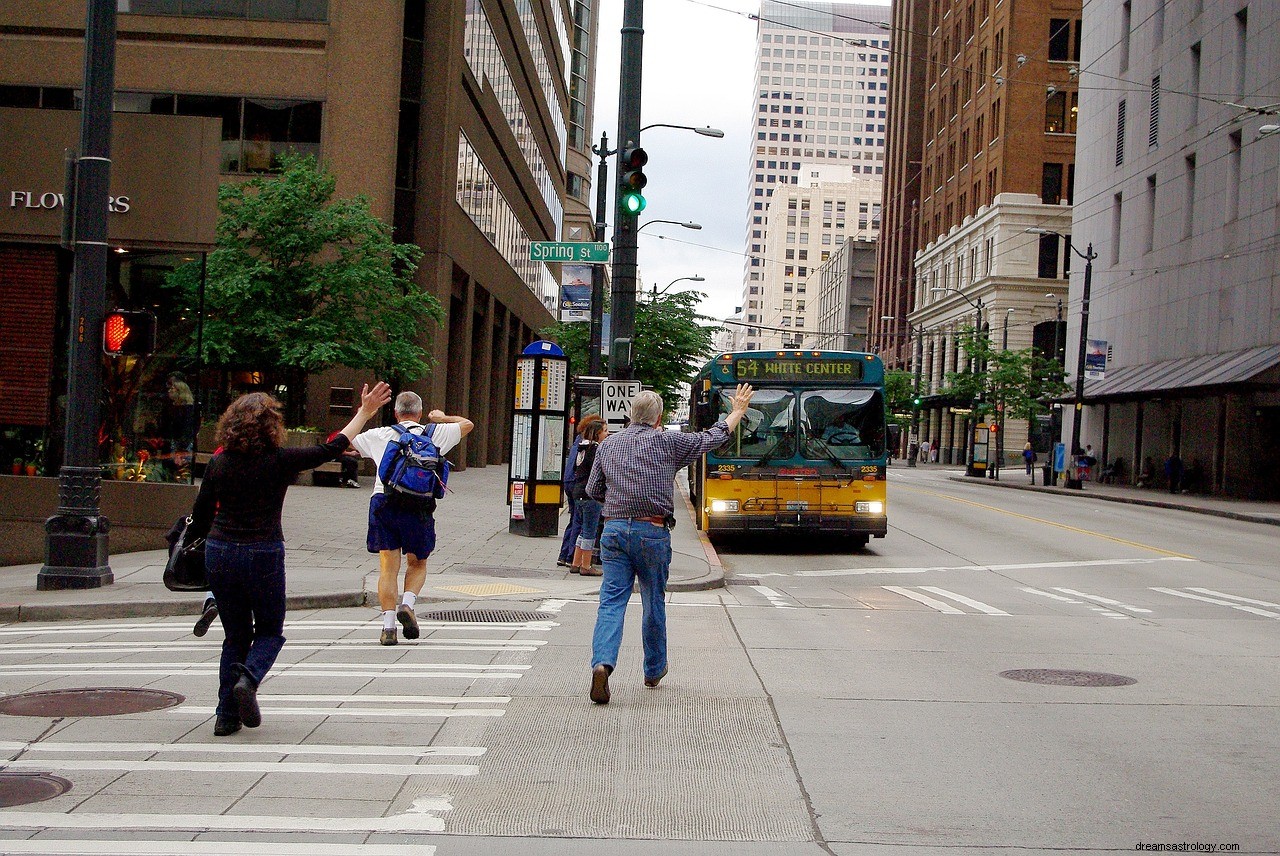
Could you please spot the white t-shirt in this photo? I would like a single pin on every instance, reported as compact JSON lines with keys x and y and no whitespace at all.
{"x":373,"y":443}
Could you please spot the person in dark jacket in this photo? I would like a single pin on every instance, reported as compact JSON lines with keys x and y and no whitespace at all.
{"x":588,"y":508}
{"x":570,"y":541}
{"x":239,"y":507}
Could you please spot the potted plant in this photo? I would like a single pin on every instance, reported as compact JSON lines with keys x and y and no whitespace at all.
{"x":17,"y":466}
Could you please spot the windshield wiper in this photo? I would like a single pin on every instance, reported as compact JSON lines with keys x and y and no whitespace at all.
{"x":775,"y":447}
{"x":831,"y":454}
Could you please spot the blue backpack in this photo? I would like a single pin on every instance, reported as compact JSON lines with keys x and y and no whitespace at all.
{"x":413,"y":472}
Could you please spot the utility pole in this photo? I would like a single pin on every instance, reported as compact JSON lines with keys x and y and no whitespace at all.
{"x":625,"y":225}
{"x":76,"y":551}
{"x":1084,"y":343}
{"x":913,"y":446}
{"x":972,"y":421}
{"x":597,"y":271}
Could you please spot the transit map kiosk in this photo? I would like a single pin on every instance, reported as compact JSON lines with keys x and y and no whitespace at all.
{"x":539,"y":430}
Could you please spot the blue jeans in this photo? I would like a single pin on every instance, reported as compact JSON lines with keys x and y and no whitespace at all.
{"x":570,"y":531}
{"x":631,"y":549}
{"x":588,"y":523}
{"x":248,"y":582}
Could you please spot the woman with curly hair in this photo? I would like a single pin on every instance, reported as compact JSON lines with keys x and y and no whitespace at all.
{"x":239,"y":506}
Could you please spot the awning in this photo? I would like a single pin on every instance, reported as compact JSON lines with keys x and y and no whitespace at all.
{"x":1184,"y":375}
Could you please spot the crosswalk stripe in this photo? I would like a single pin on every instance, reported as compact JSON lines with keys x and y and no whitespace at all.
{"x":1234,"y":597}
{"x":1100,"y":599}
{"x":368,"y":712}
{"x":184,"y":628}
{"x":89,"y":669}
{"x":945,"y":608}
{"x":411,"y":821}
{"x":361,"y":751}
{"x":305,"y":768}
{"x":279,"y":668}
{"x":1050,"y":594}
{"x":9,"y":649}
{"x":1218,"y":601}
{"x":976,"y":604}
{"x":143,"y":847}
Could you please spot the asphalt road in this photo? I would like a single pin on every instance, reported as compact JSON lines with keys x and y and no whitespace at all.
{"x":827,"y":701}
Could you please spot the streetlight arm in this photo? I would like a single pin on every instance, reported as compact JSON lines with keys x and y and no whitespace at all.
{"x":1088,"y":255}
{"x":965,"y":297}
{"x":706,"y":132}
{"x":687,"y":224}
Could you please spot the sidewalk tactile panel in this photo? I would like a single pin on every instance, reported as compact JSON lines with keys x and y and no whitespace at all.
{"x":491,"y":589}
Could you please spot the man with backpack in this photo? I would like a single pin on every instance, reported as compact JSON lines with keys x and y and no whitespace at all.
{"x":410,"y":461}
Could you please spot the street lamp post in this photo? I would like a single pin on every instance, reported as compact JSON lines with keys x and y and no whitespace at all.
{"x":999,"y":461}
{"x":596,"y":360}
{"x":76,"y":549}
{"x":1088,"y":255}
{"x":657,"y":293}
{"x":625,"y":233}
{"x":969,"y":469}
{"x":687,"y":224}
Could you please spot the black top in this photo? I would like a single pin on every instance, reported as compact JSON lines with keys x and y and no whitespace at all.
{"x":582,"y":468}
{"x":242,"y":495}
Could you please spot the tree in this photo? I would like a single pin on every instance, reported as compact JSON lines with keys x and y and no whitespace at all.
{"x":672,"y":340}
{"x":301,"y":282}
{"x":1022,"y":380}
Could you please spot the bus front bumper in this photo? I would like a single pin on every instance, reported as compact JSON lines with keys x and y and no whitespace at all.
{"x":875,"y":526}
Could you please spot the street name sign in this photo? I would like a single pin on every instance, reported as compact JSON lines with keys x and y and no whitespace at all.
{"x":569,"y":251}
{"x":615,"y":401}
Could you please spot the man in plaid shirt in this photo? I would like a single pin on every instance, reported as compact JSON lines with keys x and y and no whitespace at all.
{"x":634,"y":476}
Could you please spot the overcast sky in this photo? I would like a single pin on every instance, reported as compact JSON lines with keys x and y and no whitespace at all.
{"x":699,"y":69}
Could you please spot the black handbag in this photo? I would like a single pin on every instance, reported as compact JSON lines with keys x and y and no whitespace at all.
{"x":185,"y":570}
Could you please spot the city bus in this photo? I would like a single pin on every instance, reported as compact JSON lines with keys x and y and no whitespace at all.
{"x":810,"y":452}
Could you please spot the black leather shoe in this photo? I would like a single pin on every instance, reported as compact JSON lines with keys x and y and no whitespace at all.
{"x":206,"y":618}
{"x":600,"y":684}
{"x":224,"y":726}
{"x":404,"y":613}
{"x":245,"y":692}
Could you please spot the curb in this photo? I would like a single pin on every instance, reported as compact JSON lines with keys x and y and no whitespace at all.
{"x":159,"y":608}
{"x":1126,"y":500}
{"x":715,"y":576}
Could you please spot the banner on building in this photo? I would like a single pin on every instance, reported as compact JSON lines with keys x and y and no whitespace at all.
{"x":575,"y":293}
{"x":1095,"y":360}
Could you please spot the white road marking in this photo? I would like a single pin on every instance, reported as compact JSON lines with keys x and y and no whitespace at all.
{"x":1218,"y":601}
{"x":14,"y":648}
{"x":946,"y":608}
{"x":285,"y":668}
{"x":387,"y":699}
{"x":184,"y":628}
{"x":143,"y":847}
{"x":1082,"y":563}
{"x":1050,"y":594}
{"x":1236,"y":597}
{"x":259,"y":767}
{"x":552,"y":606}
{"x":370,"y":712}
{"x":246,"y":749}
{"x":777,"y":599}
{"x":213,"y":670}
{"x":976,"y":604}
{"x":1100,"y":599}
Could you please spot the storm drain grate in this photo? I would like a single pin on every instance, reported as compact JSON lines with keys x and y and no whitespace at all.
{"x":88,"y":701}
{"x":1068,"y":678}
{"x":24,"y":788}
{"x":492,"y":616}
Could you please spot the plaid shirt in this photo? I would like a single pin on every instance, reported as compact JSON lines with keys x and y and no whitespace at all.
{"x":635,"y":470}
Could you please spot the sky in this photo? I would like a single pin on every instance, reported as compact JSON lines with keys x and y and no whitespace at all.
{"x":699,"y":69}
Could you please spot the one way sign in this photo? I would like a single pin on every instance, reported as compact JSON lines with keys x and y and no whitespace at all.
{"x":615,"y":401}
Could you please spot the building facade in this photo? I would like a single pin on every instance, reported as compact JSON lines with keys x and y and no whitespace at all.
{"x":803,"y":226}
{"x":842,"y":287}
{"x":465,"y":123}
{"x":821,"y":102}
{"x":1177,"y":198}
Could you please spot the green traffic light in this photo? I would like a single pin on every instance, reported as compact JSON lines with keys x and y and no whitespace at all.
{"x":632,"y":203}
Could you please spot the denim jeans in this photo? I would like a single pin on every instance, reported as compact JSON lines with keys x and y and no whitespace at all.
{"x":570,"y":531}
{"x":588,"y":523}
{"x":631,"y":549}
{"x":248,"y":581}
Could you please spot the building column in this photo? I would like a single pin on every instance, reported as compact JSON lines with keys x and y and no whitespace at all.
{"x":461,"y":318}
{"x":500,"y":392}
{"x":481,"y":377}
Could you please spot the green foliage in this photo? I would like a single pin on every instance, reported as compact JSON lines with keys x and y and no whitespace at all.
{"x":672,"y":342}
{"x":899,"y":390}
{"x":1022,"y":380}
{"x":301,"y":281}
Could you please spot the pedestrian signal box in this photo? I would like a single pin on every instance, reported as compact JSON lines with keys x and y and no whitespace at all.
{"x":539,"y":431}
{"x":129,"y":334}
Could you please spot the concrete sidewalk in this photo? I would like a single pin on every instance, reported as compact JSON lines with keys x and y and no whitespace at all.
{"x":328,"y":566}
{"x":1235,"y":509}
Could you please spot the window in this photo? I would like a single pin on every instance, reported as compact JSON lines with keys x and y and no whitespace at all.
{"x":1189,"y":199}
{"x":1126,"y":26}
{"x":1117,"y":220}
{"x":1153,"y":125}
{"x":263,"y":10}
{"x":1051,"y":183}
{"x":1059,"y":39}
{"x":1047,"y":263}
{"x":1055,"y":113}
{"x":1195,"y":84}
{"x":1242,"y":40}
{"x":1120,"y":115}
{"x":1149,"y":221}
{"x":1233,"y":175}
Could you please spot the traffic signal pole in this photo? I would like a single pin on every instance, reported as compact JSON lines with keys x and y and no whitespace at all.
{"x":625,"y":224}
{"x":76,"y":536}
{"x":595,"y":361}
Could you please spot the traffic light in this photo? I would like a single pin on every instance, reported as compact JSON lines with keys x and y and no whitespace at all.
{"x":128,"y":334}
{"x":632,"y":180}
{"x":917,"y":401}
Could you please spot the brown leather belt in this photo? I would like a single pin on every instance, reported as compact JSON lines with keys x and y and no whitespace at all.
{"x":656,"y":520}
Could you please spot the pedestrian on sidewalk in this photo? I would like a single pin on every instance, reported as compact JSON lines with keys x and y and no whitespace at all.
{"x":1173,"y":472}
{"x":571,"y":530}
{"x":350,"y":463}
{"x":588,"y":509}
{"x":239,"y":506}
{"x":634,"y":476}
{"x":1029,"y":455}
{"x":394,"y":529}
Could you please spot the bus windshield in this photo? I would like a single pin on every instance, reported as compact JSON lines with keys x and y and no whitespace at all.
{"x":847,"y":422}
{"x":767,"y":430}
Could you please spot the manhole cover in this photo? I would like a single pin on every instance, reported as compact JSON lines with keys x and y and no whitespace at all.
{"x":88,"y":701}
{"x":503,"y":616}
{"x":517,"y":573}
{"x":23,"y":788}
{"x":1068,"y":678}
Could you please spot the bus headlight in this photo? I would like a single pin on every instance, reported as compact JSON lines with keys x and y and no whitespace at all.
{"x":720,"y":506}
{"x":874,"y":507}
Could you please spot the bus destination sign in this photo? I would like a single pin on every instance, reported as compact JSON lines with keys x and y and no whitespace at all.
{"x":783,"y":369}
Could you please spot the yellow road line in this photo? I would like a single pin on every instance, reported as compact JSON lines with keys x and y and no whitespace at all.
{"x":1042,"y":520}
